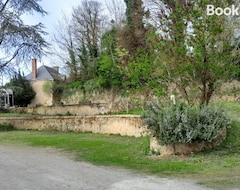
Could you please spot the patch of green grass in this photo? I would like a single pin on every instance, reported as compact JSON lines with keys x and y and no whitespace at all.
{"x":222,"y":165}
{"x":131,"y":112}
{"x":127,"y":152}
{"x":133,"y":153}
{"x":218,"y":168}
{"x":232,"y":109}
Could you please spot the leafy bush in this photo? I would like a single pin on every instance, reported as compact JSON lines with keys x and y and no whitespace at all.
{"x":140,"y":73}
{"x":91,"y":85}
{"x":185,"y":124}
{"x":6,"y":127}
{"x":75,"y":85}
{"x":108,"y":73}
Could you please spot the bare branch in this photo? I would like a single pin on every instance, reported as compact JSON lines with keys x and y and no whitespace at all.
{"x":4,"y":6}
{"x":19,"y":41}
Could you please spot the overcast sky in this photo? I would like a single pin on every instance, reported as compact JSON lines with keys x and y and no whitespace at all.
{"x":55,"y":9}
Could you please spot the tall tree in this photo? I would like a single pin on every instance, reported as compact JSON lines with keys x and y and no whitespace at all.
{"x":196,"y":49}
{"x":88,"y":27}
{"x":133,"y":36}
{"x":19,"y":41}
{"x":116,"y":10}
{"x":67,"y":48}
{"x":88,"y":22}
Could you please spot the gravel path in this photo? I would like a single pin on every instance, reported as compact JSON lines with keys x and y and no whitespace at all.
{"x":27,"y":168}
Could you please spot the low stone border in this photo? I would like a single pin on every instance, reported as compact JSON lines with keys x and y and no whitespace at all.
{"x":185,"y":149}
{"x":125,"y":125}
{"x":83,"y":109}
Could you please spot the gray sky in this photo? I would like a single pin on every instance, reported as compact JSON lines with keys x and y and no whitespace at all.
{"x":56,"y":9}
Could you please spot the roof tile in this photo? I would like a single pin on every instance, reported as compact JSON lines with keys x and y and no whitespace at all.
{"x":46,"y":73}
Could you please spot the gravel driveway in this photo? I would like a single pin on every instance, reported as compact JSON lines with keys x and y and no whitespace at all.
{"x":27,"y":168}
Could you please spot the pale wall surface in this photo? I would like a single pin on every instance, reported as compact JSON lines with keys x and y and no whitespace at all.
{"x":41,"y":98}
{"x":125,"y":125}
{"x":91,"y":109}
{"x":113,"y":101}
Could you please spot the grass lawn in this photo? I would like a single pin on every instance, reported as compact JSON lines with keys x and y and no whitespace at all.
{"x":218,"y":168}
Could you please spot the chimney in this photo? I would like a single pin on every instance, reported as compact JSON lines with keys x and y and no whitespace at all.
{"x":56,"y":68}
{"x":34,"y":68}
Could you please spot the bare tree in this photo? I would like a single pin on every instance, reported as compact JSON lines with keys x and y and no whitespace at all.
{"x":66,"y":47}
{"x":87,"y":22}
{"x":116,"y":11}
{"x":88,"y":26}
{"x":19,"y":41}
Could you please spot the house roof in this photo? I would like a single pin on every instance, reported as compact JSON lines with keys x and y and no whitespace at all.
{"x":45,"y":73}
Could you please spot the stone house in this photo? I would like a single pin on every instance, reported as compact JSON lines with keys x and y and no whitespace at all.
{"x":39,"y":79}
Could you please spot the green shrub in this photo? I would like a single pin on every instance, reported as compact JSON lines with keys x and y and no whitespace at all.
{"x":91,"y":85}
{"x":185,"y":124}
{"x":6,"y":127}
{"x":23,"y":91}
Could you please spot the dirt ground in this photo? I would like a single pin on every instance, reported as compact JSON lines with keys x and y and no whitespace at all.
{"x":28,"y":168}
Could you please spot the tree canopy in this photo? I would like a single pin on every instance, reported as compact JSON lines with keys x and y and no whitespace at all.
{"x":161,"y":48}
{"x":19,"y":42}
{"x":22,"y":90}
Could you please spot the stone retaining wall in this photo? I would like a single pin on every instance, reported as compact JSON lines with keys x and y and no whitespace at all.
{"x":186,"y":149}
{"x":78,"y":109}
{"x":125,"y":125}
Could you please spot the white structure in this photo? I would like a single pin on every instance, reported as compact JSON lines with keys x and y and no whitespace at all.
{"x":6,"y":98}
{"x":173,"y":99}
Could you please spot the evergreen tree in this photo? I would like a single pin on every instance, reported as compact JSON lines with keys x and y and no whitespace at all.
{"x":19,"y":41}
{"x":22,"y":90}
{"x":133,"y":35}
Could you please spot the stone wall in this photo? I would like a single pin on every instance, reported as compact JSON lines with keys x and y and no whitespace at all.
{"x":114,"y":102}
{"x":125,"y":125}
{"x":229,"y":91}
{"x":79,"y":109}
